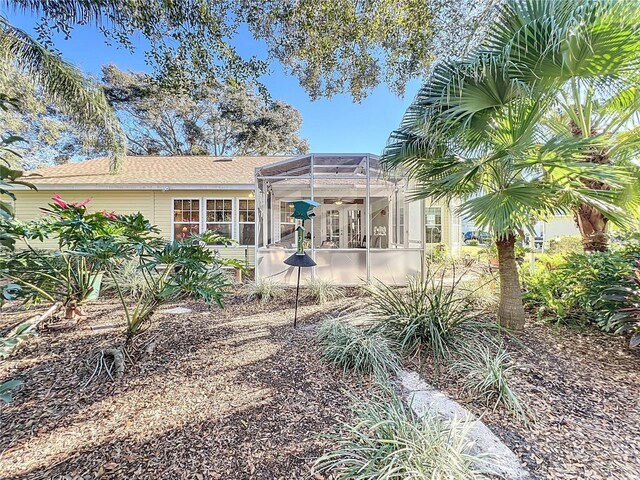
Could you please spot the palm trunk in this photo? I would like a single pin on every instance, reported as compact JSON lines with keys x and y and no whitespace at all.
{"x":511,"y":310}
{"x":592,"y":225}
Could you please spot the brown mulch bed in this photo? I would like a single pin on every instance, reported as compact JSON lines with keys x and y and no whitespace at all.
{"x":583,"y":389}
{"x":225,"y":394}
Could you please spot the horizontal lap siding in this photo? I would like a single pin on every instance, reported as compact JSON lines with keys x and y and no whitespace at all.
{"x":156,"y":206}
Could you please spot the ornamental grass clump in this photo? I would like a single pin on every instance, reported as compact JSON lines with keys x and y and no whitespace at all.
{"x":322,"y":291}
{"x":264,"y":290}
{"x":363,"y":351}
{"x":387,"y":440}
{"x":485,"y":369}
{"x":426,"y":318}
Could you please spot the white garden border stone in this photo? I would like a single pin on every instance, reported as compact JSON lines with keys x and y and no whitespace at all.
{"x":422,"y":398}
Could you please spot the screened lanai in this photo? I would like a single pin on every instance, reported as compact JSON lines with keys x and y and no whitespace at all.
{"x":364,"y":228}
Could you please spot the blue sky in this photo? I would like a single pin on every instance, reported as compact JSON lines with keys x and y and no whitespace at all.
{"x":335,"y":125}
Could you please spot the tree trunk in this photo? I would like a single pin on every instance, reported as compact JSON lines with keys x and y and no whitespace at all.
{"x":511,"y":310}
{"x":592,"y":225}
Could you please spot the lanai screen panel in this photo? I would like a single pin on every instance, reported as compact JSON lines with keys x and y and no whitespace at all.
{"x":361,"y":228}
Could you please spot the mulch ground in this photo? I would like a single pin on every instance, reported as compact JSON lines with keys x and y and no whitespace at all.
{"x":225,"y":394}
{"x":237,"y":394}
{"x":583,"y":390}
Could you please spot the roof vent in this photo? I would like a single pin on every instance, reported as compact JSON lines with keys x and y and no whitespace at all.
{"x":224,"y":159}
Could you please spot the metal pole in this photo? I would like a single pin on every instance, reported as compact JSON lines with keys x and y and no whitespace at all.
{"x":295,"y":316}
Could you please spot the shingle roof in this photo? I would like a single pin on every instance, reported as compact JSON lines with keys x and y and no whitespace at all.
{"x":156,"y":170}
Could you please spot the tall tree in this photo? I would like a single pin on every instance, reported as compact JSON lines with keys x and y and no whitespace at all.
{"x":51,"y":137}
{"x":72,"y":93}
{"x":585,"y":54}
{"x":211,"y":119}
{"x":475,"y":132}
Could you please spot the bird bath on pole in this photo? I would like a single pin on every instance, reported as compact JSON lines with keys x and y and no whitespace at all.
{"x":303,"y":210}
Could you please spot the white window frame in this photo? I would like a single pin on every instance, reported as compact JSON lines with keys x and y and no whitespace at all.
{"x":428,"y":225}
{"x":238,"y":223}
{"x":173,"y":222}
{"x":293,"y":221}
{"x":233,"y":223}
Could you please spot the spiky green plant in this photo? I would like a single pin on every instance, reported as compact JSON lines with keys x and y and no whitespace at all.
{"x":387,"y":440}
{"x":427,"y":317}
{"x":485,"y":370}
{"x":130,"y":277}
{"x":322,"y":291}
{"x":363,"y":351}
{"x":264,"y":290}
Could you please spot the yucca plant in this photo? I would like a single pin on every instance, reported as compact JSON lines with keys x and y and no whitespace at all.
{"x":322,"y":291}
{"x":264,"y":290}
{"x":363,"y":351}
{"x":427,"y":317}
{"x":485,"y":369}
{"x":387,"y":440}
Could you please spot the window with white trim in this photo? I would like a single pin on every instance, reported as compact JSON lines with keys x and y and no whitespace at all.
{"x":246,"y":221}
{"x":433,"y":224}
{"x":219,"y":216}
{"x":186,"y":218}
{"x":287,"y":224}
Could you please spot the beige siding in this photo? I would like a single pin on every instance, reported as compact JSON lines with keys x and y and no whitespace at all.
{"x":156,"y":206}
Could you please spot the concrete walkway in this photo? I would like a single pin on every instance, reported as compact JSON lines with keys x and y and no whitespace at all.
{"x":423,"y":398}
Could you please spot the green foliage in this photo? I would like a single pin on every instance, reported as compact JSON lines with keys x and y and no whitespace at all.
{"x":6,"y":387}
{"x":74,"y":94}
{"x":87,"y":242}
{"x":481,"y":291}
{"x":569,"y":288}
{"x":624,"y":317}
{"x":485,"y":370}
{"x":565,"y":245}
{"x":427,"y":317}
{"x":173,"y":271}
{"x":363,"y":351}
{"x":322,"y":291}
{"x":388,"y":441}
{"x":128,"y":274}
{"x":264,"y":290}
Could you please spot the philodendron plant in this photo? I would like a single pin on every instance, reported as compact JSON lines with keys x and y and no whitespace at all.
{"x":87,"y":243}
{"x":626,"y":319}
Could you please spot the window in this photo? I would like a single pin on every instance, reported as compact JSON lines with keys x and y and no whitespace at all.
{"x":433,"y":225}
{"x":219,"y":216}
{"x":287,"y":224}
{"x":246,"y":221}
{"x":186,"y":218}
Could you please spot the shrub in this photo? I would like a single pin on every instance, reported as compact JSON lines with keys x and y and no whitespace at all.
{"x":565,"y":245}
{"x":388,"y":441}
{"x":366,"y":352}
{"x":426,"y":317}
{"x":322,"y":291}
{"x":484,"y":369}
{"x":570,"y":289}
{"x":264,"y":290}
{"x":625,"y":318}
{"x":481,"y":291}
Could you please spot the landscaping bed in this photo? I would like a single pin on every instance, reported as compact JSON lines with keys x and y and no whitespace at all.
{"x":237,"y":393}
{"x":581,"y":387}
{"x":232,"y":393}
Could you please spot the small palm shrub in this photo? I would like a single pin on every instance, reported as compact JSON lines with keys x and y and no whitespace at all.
{"x":264,"y":290}
{"x":427,"y":317}
{"x":322,"y":291}
{"x":387,"y":440}
{"x":484,"y":370}
{"x":365,"y":352}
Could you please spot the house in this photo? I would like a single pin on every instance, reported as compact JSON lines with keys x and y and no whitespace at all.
{"x":365,"y":227}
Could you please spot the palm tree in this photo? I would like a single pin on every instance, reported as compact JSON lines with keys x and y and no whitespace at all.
{"x":585,"y":54}
{"x":65,"y":85}
{"x":473,"y":134}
